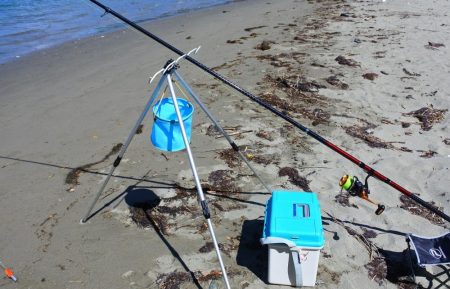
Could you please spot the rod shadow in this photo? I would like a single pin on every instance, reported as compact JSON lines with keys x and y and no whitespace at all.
{"x":163,"y":184}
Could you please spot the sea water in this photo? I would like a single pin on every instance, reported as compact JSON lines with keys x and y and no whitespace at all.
{"x":31,"y":25}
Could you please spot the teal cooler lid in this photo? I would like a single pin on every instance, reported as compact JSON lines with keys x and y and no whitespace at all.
{"x":294,"y":216}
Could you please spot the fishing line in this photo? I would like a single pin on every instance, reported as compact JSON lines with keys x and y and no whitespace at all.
{"x":370,"y":171}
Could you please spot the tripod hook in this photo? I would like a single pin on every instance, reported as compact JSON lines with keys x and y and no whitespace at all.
{"x":170,"y":65}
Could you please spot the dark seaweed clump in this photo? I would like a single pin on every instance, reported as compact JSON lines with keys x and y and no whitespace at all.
{"x":362,"y":132}
{"x":428,"y":116}
{"x":346,"y":61}
{"x":223,"y":181}
{"x":73,"y":176}
{"x":416,"y":209}
{"x":377,"y":269}
{"x":295,"y":178}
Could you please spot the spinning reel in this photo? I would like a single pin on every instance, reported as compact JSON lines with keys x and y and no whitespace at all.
{"x":357,"y":189}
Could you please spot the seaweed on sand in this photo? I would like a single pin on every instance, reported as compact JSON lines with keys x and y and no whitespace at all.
{"x":363,"y":133}
{"x":175,"y":279}
{"x":343,"y":199}
{"x":295,"y":178}
{"x":302,"y":97}
{"x":73,"y":176}
{"x":265,"y":45}
{"x":377,"y":269}
{"x":154,"y":215}
{"x":416,"y":209}
{"x":223,"y":181}
{"x":427,"y":154}
{"x":346,"y":61}
{"x":370,"y":76}
{"x":333,"y":80}
{"x":428,"y":116}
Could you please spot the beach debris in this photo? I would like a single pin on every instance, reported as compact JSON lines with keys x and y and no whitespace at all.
{"x":73,"y":176}
{"x":231,"y":245}
{"x":223,"y":181}
{"x":333,"y":80}
{"x":405,"y":124}
{"x":232,"y":159}
{"x":266,"y":159}
{"x":265,"y":135}
{"x":173,"y":280}
{"x":235,"y":41}
{"x":302,"y":95}
{"x":365,"y":133}
{"x":248,"y":29}
{"x":265,"y":45}
{"x":8,"y":272}
{"x":405,"y":149}
{"x":372,"y":249}
{"x":369,"y":234}
{"x":295,"y":178}
{"x":434,"y":45}
{"x":343,"y":199}
{"x":446,"y":141}
{"x":346,"y":61}
{"x":377,"y":268}
{"x":427,"y":154}
{"x":370,"y":75}
{"x":208,"y":247}
{"x":418,"y":210}
{"x":428,"y":116}
{"x":380,"y":54}
{"x":410,"y":73}
{"x":307,"y":86}
{"x":139,"y":129}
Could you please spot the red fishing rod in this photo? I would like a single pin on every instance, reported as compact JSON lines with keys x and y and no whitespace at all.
{"x":370,"y":171}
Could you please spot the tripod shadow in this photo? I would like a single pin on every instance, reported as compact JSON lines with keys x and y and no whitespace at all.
{"x":251,"y":253}
{"x":402,"y":269}
{"x":144,"y":200}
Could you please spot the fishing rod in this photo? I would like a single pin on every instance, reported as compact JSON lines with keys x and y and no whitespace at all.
{"x":370,"y":171}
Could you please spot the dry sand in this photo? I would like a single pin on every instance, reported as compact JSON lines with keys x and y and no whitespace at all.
{"x":68,"y":107}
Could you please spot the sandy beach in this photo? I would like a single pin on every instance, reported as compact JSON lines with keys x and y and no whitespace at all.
{"x":370,"y":76}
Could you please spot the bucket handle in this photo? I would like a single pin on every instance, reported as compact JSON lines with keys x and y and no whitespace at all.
{"x":160,"y":100}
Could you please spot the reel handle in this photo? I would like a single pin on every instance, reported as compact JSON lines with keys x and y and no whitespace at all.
{"x":380,"y":209}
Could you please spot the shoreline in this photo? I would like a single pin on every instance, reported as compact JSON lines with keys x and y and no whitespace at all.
{"x":345,"y":70}
{"x":87,"y":32}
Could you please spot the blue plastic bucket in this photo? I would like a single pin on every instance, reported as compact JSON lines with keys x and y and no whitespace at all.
{"x":166,"y":132}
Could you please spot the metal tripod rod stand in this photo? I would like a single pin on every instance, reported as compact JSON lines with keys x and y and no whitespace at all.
{"x":166,"y":77}
{"x":201,"y":196}
{"x":219,"y":128}
{"x":124,"y":148}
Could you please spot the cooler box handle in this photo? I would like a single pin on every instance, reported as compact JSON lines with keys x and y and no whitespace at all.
{"x":305,"y":209}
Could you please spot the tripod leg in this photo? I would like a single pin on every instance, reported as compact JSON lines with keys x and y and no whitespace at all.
{"x":221,"y":130}
{"x":201,"y":196}
{"x":124,"y":147}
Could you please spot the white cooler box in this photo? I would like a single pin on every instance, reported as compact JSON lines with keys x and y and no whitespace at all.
{"x":294,"y":234}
